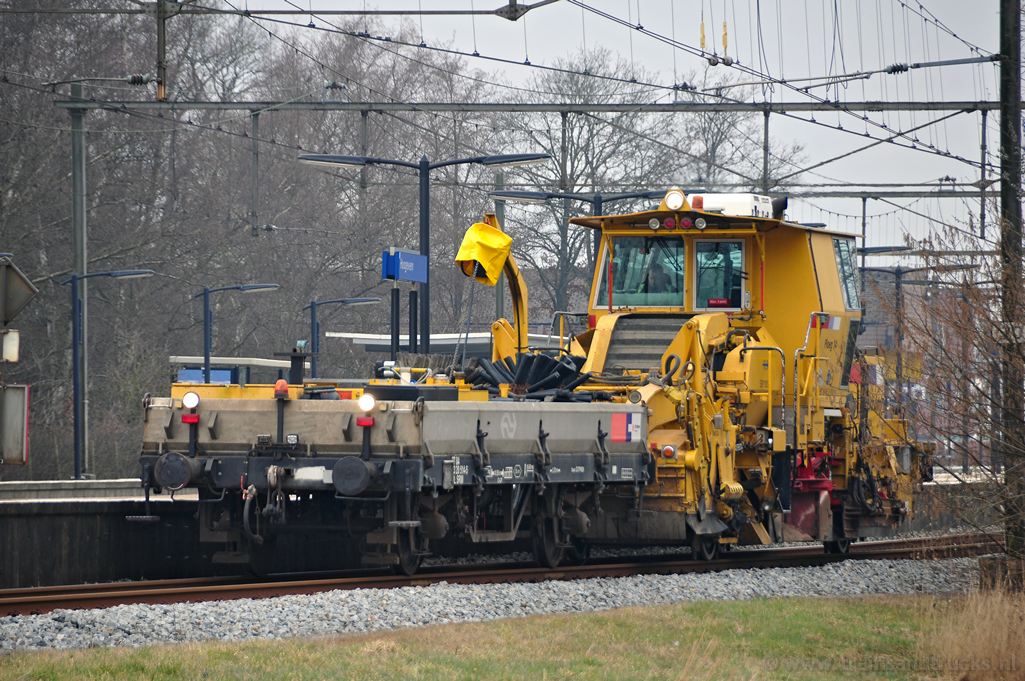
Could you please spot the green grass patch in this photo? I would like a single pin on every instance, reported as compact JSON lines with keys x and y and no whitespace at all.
{"x":795,"y":638}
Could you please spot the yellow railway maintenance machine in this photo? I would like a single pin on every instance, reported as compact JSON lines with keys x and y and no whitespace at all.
{"x":709,"y":403}
{"x":736,"y":330}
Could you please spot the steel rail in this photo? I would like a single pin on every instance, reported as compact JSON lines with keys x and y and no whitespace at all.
{"x":45,"y":599}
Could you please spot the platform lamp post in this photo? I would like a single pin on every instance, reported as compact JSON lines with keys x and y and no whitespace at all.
{"x":208,"y":321}
{"x":596,"y":199}
{"x":77,"y":387}
{"x":423,"y":169}
{"x":315,"y":323}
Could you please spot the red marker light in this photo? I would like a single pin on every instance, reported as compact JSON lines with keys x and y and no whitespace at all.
{"x":669,"y":223}
{"x":686,"y":223}
{"x":592,"y":321}
{"x":697,"y":202}
{"x":191,"y":419}
{"x":345,"y":394}
{"x":364,"y":421}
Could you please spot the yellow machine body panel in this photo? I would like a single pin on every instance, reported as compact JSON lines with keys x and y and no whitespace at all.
{"x":760,"y":316}
{"x":790,"y":281}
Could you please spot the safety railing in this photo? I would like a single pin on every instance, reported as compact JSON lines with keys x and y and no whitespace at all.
{"x":559,"y":317}
{"x":810,"y":387}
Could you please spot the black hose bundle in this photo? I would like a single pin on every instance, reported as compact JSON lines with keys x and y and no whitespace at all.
{"x":533,"y":377}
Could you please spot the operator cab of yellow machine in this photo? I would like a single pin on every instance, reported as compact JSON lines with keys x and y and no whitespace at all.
{"x":708,"y":253}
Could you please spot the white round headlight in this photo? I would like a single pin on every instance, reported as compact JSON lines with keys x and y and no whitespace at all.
{"x":366,"y":402}
{"x":674,"y":199}
{"x":190,"y":400}
{"x":700,"y":223}
{"x":654,"y":223}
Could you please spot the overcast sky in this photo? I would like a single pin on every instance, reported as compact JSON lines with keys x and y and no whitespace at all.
{"x":799,"y":38}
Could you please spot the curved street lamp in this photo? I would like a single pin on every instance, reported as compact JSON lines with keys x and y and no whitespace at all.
{"x":208,"y":321}
{"x":315,"y":323}
{"x":423,"y":169}
{"x":78,"y":407}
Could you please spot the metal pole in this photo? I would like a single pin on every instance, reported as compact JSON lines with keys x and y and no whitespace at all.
{"x":899,"y":275}
{"x":364,"y":146}
{"x":395,"y":321}
{"x":563,"y":151}
{"x":425,"y":250}
{"x":982,"y":180}
{"x":1012,"y":293}
{"x":76,"y":380}
{"x":765,"y":151}
{"x":563,"y":266}
{"x":314,"y":338}
{"x":79,"y":220}
{"x":161,"y":51}
{"x":995,"y":449}
{"x":597,"y":208}
{"x":412,"y":320}
{"x":500,"y":216}
{"x":864,"y":244}
{"x":207,"y":334}
{"x":966,"y":440}
{"x":254,"y":200}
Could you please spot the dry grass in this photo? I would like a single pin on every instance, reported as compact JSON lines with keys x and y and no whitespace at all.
{"x":978,"y":637}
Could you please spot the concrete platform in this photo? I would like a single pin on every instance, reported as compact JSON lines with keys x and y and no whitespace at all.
{"x":68,"y":541}
{"x":47,"y":541}
{"x":119,"y":488}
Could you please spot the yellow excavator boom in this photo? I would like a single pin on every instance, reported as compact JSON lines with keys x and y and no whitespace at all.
{"x":485,"y":254}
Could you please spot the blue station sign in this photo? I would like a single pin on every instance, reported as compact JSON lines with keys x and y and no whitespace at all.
{"x":403,"y":266}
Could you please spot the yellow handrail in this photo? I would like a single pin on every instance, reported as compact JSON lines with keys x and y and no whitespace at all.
{"x":783,"y":381}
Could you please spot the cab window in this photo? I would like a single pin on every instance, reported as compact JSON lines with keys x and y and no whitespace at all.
{"x":647,"y":271}
{"x":844,"y":249}
{"x":719,"y":274}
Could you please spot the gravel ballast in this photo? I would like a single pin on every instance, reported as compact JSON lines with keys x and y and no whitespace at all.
{"x":363,"y":610}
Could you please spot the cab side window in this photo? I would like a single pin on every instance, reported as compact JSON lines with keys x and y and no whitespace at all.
{"x":844,"y":249}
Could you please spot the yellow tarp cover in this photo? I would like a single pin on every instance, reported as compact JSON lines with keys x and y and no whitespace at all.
{"x":486,"y":246}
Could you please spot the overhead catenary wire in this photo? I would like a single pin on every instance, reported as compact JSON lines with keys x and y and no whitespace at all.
{"x":706,"y":55}
{"x":865,"y":147}
{"x":582,"y":15}
{"x":655,"y":85}
{"x":382,"y":42}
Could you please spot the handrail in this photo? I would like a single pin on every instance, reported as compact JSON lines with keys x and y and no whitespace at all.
{"x":797,"y":357}
{"x":560,"y":316}
{"x":809,"y":384}
{"x":782,"y":380}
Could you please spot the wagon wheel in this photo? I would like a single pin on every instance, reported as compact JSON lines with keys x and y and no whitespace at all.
{"x":406,"y":547}
{"x":705,"y":546}
{"x":409,"y":559}
{"x":545,"y":538}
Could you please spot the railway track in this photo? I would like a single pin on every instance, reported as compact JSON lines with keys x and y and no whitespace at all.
{"x":40,"y":600}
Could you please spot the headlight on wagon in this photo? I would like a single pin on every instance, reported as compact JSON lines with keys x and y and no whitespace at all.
{"x":190,"y":400}
{"x":366,"y":402}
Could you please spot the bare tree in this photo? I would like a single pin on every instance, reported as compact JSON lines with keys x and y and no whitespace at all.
{"x":960,"y":334}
